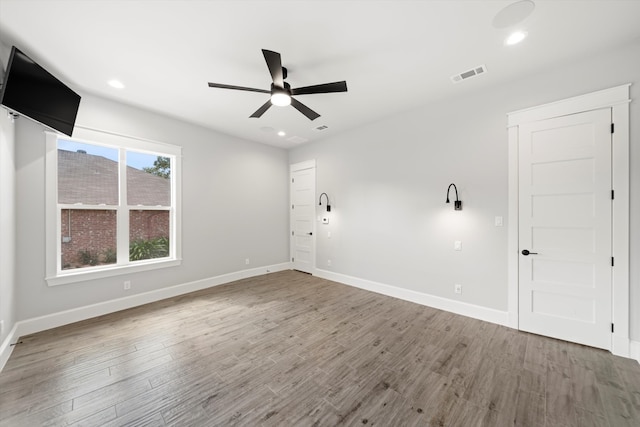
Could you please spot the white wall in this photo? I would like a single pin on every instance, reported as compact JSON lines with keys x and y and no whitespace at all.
{"x":7,"y":226}
{"x":234,"y":206}
{"x":387,"y":183}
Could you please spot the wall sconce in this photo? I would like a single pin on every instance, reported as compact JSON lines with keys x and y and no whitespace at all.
{"x":328,"y":205}
{"x":457,"y":205}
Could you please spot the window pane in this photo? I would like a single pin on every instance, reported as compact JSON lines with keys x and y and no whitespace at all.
{"x":88,"y":237}
{"x":87,"y":174}
{"x":148,"y":179}
{"x":148,"y":234}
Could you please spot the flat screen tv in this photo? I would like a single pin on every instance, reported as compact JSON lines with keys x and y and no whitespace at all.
{"x":30,"y":90}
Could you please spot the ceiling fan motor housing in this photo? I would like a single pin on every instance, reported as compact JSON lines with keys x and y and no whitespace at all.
{"x":277,"y":89}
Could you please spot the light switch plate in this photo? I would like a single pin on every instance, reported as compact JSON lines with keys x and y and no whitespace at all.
{"x":498,"y":221}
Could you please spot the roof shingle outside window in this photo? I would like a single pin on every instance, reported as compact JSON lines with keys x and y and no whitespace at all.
{"x":93,"y":180}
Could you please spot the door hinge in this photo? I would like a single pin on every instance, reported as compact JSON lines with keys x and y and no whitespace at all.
{"x":612,"y":328}
{"x":612,"y":196}
{"x":611,"y":261}
{"x":292,"y":233}
{"x":293,"y":180}
{"x":291,"y":206}
{"x":611,"y":127}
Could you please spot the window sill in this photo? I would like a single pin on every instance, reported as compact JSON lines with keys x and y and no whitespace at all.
{"x":101,"y":273}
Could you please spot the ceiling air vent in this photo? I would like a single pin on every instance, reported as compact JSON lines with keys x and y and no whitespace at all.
{"x":475,"y":71}
{"x":323,"y":127}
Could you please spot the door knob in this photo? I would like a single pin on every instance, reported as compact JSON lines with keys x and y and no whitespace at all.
{"x":310,"y":234}
{"x":526,"y":252}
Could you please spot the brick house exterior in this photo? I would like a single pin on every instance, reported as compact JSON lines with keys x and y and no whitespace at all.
{"x":88,"y":236}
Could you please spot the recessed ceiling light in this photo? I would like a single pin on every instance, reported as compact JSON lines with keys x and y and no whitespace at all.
{"x":515,"y":38}
{"x":117,"y":84}
{"x":281,"y":133}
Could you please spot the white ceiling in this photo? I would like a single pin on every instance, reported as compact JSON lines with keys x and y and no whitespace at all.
{"x":394,"y":55}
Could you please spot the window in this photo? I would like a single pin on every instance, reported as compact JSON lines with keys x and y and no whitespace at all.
{"x":112,"y":206}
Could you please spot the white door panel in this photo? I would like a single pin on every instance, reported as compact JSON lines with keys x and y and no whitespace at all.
{"x":303,"y":183}
{"x":565,"y":222}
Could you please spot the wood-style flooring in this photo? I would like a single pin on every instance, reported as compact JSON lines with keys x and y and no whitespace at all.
{"x":289,"y":349}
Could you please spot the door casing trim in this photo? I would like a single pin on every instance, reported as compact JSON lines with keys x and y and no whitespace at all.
{"x":617,"y":98}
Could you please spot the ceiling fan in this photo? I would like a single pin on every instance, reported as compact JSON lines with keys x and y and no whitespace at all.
{"x":281,"y":92}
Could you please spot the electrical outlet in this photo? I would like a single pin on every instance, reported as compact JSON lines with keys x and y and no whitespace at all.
{"x":246,"y":261}
{"x":127,"y":285}
{"x":457,"y":288}
{"x":457,"y":245}
{"x":328,"y":263}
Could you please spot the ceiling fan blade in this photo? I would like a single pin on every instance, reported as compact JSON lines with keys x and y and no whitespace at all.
{"x":260,"y":111}
{"x":250,"y":89}
{"x":274,"y":63}
{"x":323,"y":88}
{"x":311,"y":115}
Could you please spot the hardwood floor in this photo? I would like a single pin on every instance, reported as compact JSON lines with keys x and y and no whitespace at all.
{"x":289,"y":349}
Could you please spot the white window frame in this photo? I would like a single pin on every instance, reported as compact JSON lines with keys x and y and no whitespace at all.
{"x":54,"y":274}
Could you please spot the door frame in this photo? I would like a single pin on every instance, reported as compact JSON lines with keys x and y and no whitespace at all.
{"x":308,"y":164}
{"x":617,"y":99}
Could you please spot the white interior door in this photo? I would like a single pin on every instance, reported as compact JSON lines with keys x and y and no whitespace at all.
{"x":565,"y":224}
{"x":303,"y":190}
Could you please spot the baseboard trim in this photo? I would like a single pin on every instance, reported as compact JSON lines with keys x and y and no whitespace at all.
{"x":634,"y":350}
{"x":457,"y":307}
{"x":620,"y":345}
{"x":54,"y":320}
{"x":6,"y":348}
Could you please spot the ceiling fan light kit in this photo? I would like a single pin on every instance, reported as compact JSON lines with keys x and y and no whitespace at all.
{"x":281,"y":92}
{"x":280,"y":97}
